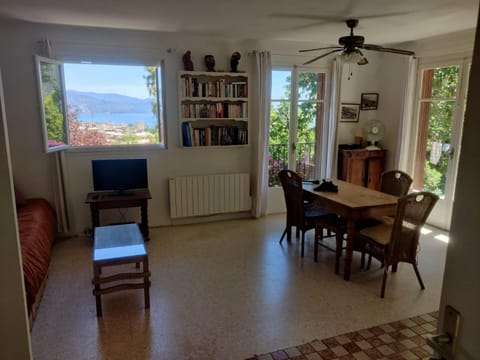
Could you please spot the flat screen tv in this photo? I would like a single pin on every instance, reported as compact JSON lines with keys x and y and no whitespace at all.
{"x":119,"y":175}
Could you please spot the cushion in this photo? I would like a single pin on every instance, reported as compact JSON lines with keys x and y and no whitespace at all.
{"x":379,"y":233}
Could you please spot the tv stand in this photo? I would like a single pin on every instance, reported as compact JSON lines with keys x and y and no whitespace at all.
{"x":114,"y":200}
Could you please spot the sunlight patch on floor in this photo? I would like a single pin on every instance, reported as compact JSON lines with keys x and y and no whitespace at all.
{"x":437,"y":234}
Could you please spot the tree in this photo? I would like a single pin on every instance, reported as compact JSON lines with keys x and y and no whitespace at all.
{"x":52,"y":103}
{"x":444,"y":86}
{"x":79,"y":136}
{"x":306,"y":123}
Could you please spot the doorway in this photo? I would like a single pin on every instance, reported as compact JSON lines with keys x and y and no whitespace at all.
{"x":440,"y":112}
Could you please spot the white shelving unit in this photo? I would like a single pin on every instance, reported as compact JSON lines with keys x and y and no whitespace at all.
{"x":213,"y":109}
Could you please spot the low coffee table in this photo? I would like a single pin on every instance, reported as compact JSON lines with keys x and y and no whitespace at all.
{"x":118,"y":245}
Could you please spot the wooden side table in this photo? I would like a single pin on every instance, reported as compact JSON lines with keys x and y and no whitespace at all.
{"x":117,"y":245}
{"x":113,"y":200}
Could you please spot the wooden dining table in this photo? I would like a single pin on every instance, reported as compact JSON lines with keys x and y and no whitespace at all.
{"x":352,"y":202}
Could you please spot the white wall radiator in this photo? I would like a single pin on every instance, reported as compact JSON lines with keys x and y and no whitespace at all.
{"x":201,"y":195}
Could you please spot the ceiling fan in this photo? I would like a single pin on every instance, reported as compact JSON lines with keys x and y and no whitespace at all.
{"x":350,"y":47}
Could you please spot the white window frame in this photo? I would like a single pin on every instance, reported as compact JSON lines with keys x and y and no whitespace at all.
{"x":162,"y":130}
{"x":295,"y":101}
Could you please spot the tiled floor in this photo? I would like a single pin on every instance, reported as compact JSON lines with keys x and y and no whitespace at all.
{"x":224,"y":290}
{"x":397,"y":340}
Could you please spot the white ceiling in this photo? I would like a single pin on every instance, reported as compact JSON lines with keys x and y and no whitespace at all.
{"x":381,"y":21}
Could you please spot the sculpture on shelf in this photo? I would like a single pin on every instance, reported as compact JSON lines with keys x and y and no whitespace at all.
{"x":234,"y":61}
{"x":210,"y":62}
{"x":187,"y":61}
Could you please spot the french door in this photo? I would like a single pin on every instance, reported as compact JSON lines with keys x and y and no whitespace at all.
{"x":297,"y":111}
{"x":440,"y":112}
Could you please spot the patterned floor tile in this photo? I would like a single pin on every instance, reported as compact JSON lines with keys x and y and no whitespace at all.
{"x":398,"y":340}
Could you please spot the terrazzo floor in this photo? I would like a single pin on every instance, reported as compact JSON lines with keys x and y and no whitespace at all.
{"x":224,"y":290}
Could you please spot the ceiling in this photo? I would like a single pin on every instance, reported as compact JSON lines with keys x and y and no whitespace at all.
{"x":381,"y":21}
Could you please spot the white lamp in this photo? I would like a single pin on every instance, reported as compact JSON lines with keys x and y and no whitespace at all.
{"x":351,"y":57}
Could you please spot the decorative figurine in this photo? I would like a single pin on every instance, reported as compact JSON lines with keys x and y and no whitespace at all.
{"x":187,"y":61}
{"x":210,"y":62}
{"x":234,"y":61}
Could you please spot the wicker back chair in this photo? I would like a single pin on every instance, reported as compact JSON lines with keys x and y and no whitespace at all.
{"x":300,"y":213}
{"x":398,"y":242}
{"x":395,"y":182}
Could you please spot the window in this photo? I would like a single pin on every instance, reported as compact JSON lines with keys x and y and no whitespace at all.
{"x":297,"y":111}
{"x":93,"y":105}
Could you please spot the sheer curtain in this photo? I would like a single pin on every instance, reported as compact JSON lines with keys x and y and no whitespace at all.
{"x":328,"y":139}
{"x":260,"y":130}
{"x":404,"y":136}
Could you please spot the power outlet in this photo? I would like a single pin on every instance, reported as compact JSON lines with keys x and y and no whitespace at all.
{"x":444,"y":343}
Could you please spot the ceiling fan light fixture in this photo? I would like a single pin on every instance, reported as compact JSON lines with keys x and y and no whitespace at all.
{"x":351,"y":57}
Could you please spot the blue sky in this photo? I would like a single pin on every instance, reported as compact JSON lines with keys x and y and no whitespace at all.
{"x":114,"y":79}
{"x":129,"y":80}
{"x":279,"y":80}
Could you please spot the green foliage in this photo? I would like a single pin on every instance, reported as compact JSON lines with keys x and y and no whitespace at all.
{"x":441,"y":112}
{"x":54,"y":117}
{"x":306,"y":123}
{"x":52,"y":102}
{"x":151,"y":79}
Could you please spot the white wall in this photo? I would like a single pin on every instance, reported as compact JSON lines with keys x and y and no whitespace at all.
{"x":461,"y":286}
{"x":355,"y":81}
{"x":31,"y":166}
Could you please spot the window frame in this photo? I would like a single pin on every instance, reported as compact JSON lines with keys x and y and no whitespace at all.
{"x":38,"y":66}
{"x":160,"y":99}
{"x":294,"y":102}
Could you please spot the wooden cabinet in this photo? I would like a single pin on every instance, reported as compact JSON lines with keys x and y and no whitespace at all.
{"x":361,"y":166}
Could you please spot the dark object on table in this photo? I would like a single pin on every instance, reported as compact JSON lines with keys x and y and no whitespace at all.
{"x":326,"y":186}
{"x":311,"y":181}
{"x":187,"y":61}
{"x":234,"y":61}
{"x":210,"y":62}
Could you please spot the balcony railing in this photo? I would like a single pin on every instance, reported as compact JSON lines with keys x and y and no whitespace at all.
{"x":278,"y":160}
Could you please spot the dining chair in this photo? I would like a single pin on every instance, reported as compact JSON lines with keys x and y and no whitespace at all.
{"x":301,"y":214}
{"x":393,"y":182}
{"x":396,"y":242}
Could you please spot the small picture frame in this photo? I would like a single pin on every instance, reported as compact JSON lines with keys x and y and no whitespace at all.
{"x":349,"y":112}
{"x":369,"y":101}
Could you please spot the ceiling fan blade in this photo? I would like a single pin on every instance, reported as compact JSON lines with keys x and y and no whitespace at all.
{"x":321,"y":56}
{"x":322,"y":48}
{"x":384,"y":49}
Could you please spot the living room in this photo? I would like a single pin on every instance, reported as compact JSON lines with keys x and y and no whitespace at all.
{"x":32,"y":168}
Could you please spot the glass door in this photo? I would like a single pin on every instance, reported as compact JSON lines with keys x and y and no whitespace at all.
{"x":441,"y":107}
{"x":297,"y":111}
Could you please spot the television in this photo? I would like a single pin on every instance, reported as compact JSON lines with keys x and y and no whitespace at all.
{"x":119,"y":175}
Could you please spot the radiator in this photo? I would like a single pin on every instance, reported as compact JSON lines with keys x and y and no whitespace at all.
{"x":201,"y":195}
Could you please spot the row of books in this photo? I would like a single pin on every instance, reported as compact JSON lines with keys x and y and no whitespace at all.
{"x":193,"y":87}
{"x":220,"y":110}
{"x":213,"y":135}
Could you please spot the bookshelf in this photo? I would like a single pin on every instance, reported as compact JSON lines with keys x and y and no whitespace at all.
{"x":213,"y":109}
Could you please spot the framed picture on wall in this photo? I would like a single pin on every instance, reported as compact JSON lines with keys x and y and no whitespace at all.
{"x":349,"y":112}
{"x":369,"y":101}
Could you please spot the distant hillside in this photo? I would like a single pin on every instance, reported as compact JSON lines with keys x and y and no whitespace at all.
{"x":96,"y":103}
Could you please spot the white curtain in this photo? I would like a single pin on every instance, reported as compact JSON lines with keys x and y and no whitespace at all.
{"x":405,"y":127}
{"x":328,"y":141}
{"x":259,"y":130}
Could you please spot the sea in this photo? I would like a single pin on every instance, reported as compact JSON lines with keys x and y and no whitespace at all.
{"x":149,"y":119}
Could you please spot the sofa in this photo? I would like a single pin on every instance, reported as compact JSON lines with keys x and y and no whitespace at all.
{"x":37,"y":227}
